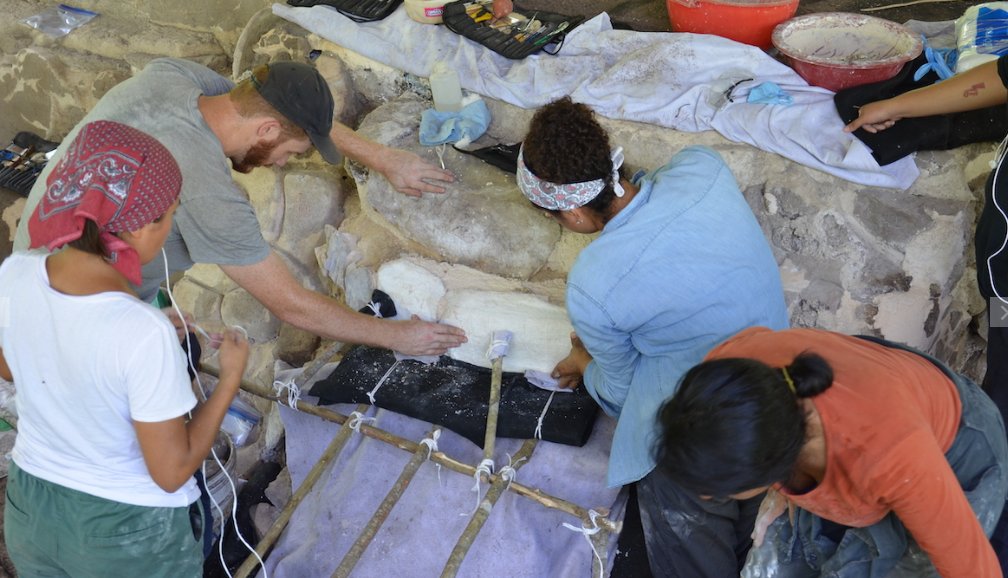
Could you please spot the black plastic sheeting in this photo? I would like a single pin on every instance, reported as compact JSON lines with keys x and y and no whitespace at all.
{"x":455,"y":395}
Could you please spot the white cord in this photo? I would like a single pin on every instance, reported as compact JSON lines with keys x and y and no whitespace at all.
{"x":431,"y":444}
{"x":484,"y":468}
{"x":234,"y":490}
{"x":381,"y":382}
{"x":357,"y":419}
{"x":293,"y":392}
{"x":542,"y":416}
{"x":588,"y":533}
{"x":999,"y":157}
{"x":508,"y":472}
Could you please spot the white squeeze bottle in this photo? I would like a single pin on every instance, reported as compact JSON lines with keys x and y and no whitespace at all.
{"x":445,"y":87}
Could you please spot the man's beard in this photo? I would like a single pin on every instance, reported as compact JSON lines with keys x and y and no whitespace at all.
{"x":255,"y":157}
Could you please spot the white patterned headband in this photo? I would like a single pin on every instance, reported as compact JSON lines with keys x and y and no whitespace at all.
{"x":567,"y":196}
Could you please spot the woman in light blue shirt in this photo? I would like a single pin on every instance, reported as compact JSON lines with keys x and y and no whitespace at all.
{"x":680,"y":265}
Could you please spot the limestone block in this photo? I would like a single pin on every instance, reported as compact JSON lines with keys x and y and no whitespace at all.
{"x":311,"y":201}
{"x":48,"y":90}
{"x":295,"y":346}
{"x":210,"y":277}
{"x":359,"y":286}
{"x":339,"y":252}
{"x":203,"y":304}
{"x":238,"y":307}
{"x":264,"y":187}
{"x":113,"y":35}
{"x":481,"y":220}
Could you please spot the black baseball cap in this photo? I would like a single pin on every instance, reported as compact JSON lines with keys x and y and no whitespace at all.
{"x":300,"y":93}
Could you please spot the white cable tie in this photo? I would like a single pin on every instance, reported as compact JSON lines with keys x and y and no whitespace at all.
{"x":290,"y":389}
{"x":485,"y":467}
{"x":381,"y":382}
{"x":542,"y":416}
{"x":356,"y":419}
{"x":588,"y":533}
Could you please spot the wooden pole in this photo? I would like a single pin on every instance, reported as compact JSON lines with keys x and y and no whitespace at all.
{"x":313,"y":476}
{"x":493,"y":410}
{"x":479,"y":518}
{"x":381,"y":514}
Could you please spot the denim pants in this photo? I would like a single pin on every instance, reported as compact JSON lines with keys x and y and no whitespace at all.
{"x":817,"y":547}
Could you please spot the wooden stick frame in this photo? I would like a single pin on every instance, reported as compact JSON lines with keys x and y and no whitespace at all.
{"x":499,"y":484}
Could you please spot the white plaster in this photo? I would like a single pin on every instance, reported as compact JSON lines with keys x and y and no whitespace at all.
{"x":411,"y":287}
{"x":541,"y":332}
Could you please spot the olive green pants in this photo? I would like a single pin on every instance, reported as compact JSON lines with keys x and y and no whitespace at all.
{"x":51,"y":530}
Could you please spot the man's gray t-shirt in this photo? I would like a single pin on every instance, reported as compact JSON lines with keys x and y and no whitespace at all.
{"x":215,"y":222}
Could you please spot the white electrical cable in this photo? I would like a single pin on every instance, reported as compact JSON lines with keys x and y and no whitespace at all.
{"x":234,"y":490}
{"x":999,"y":157}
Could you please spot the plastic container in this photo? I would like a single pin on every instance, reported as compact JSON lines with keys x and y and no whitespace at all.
{"x":981,"y":34}
{"x":837,"y":50}
{"x":747,"y":21}
{"x":217,"y":480}
{"x":425,"y":11}
{"x":445,"y":88}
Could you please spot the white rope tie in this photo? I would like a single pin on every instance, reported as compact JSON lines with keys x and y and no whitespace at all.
{"x":485,"y":467}
{"x":356,"y":419}
{"x":588,"y":533}
{"x":542,"y":416}
{"x":440,"y":150}
{"x":290,"y":390}
{"x":431,"y":444}
{"x":375,"y":308}
{"x":381,"y":382}
{"x":508,"y":472}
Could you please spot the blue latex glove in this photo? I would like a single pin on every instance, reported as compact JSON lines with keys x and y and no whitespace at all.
{"x":465,"y":125}
{"x":941,"y":60}
{"x":769,"y":93}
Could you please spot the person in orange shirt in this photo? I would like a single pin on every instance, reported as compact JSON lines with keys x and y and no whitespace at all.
{"x":884,"y":457}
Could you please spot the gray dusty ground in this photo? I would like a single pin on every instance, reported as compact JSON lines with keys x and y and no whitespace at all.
{"x":643,"y":15}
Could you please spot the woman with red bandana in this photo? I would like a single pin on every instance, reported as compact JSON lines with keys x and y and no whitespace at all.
{"x":101,"y":482}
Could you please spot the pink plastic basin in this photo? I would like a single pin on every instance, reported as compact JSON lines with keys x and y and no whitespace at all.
{"x":837,"y":50}
{"x":751,"y":22}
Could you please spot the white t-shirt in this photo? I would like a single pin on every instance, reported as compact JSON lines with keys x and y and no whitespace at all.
{"x":85,"y":367}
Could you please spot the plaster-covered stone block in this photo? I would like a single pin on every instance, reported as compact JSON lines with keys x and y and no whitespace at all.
{"x":481,"y":220}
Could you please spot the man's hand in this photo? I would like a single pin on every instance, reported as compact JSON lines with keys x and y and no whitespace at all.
{"x":569,"y":371}
{"x":502,"y":8}
{"x":873,"y":117}
{"x":172,"y":316}
{"x":417,"y":337}
{"x":413,"y":176}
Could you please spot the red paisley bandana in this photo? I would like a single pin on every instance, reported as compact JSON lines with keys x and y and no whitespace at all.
{"x":115,"y":175}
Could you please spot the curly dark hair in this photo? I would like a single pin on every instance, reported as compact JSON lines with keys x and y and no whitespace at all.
{"x":565,"y":144}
